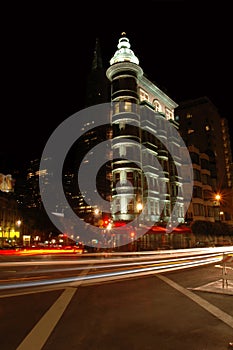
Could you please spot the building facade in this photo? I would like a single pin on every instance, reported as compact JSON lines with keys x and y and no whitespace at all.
{"x":142,"y":168}
{"x":203,"y":205}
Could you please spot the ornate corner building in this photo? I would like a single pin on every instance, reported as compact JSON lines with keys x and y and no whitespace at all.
{"x":143,"y":173}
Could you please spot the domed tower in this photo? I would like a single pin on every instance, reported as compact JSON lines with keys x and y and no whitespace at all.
{"x":127,"y":191}
{"x":124,"y":72}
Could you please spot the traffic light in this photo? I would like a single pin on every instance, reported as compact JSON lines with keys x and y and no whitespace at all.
{"x":106,"y":221}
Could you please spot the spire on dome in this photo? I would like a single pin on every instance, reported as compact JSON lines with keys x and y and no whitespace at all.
{"x":124,"y":53}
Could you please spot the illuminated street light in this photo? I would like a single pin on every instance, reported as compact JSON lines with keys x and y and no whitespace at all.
{"x":139,"y":207}
{"x":97,"y":217}
{"x":96,"y":211}
{"x":18,"y":223}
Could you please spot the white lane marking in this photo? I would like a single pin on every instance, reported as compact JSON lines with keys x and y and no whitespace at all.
{"x":223,"y":316}
{"x":39,"y":334}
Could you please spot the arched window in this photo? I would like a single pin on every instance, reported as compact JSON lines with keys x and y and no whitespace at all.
{"x":157,"y":105}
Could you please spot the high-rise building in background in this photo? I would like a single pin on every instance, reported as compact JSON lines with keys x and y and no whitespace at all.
{"x":97,"y":92}
{"x":97,"y":83}
{"x":203,"y":205}
{"x":201,"y":126}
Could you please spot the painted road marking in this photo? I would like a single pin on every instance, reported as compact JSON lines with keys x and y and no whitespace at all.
{"x":223,"y":316}
{"x":39,"y":334}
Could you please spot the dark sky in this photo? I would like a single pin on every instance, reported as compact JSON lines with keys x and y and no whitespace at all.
{"x":46,"y":53}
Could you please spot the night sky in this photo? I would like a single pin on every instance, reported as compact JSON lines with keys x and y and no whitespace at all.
{"x":184,"y":47}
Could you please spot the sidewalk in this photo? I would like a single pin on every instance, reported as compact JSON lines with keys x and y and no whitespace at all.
{"x":216,"y":287}
{"x":224,"y":285}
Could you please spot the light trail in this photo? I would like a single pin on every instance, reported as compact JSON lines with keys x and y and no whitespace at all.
{"x":134,"y":272}
{"x":105,"y":265}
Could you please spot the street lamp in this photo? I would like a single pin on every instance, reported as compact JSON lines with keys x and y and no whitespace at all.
{"x":18,"y":224}
{"x":98,"y":220}
{"x":96,"y":211}
{"x":139,"y":209}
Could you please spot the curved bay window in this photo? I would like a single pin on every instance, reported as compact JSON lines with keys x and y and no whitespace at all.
{"x":125,"y":106}
{"x":127,"y":83}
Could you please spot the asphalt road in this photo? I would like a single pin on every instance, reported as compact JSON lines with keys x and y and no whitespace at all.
{"x":162,"y":312}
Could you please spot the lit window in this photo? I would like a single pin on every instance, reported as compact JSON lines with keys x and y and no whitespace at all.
{"x":144,"y":95}
{"x":122,"y":150}
{"x":116,"y":108}
{"x":168,"y":113}
{"x":122,"y":125}
{"x":128,"y":106}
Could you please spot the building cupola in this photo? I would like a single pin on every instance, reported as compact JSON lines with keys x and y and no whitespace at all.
{"x":124,"y":71}
{"x":124,"y":53}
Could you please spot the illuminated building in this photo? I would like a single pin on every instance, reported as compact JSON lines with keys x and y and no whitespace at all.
{"x":6,"y":183}
{"x":133,"y":95}
{"x":32,"y":195}
{"x":9,"y":220}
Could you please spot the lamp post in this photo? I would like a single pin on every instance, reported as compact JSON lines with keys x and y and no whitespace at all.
{"x":139,"y":210}
{"x":97,"y":216}
{"x":18,"y":224}
{"x":218,"y":201}
{"x":1,"y":231}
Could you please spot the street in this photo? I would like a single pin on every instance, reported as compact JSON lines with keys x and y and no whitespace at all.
{"x":160,"y":311}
